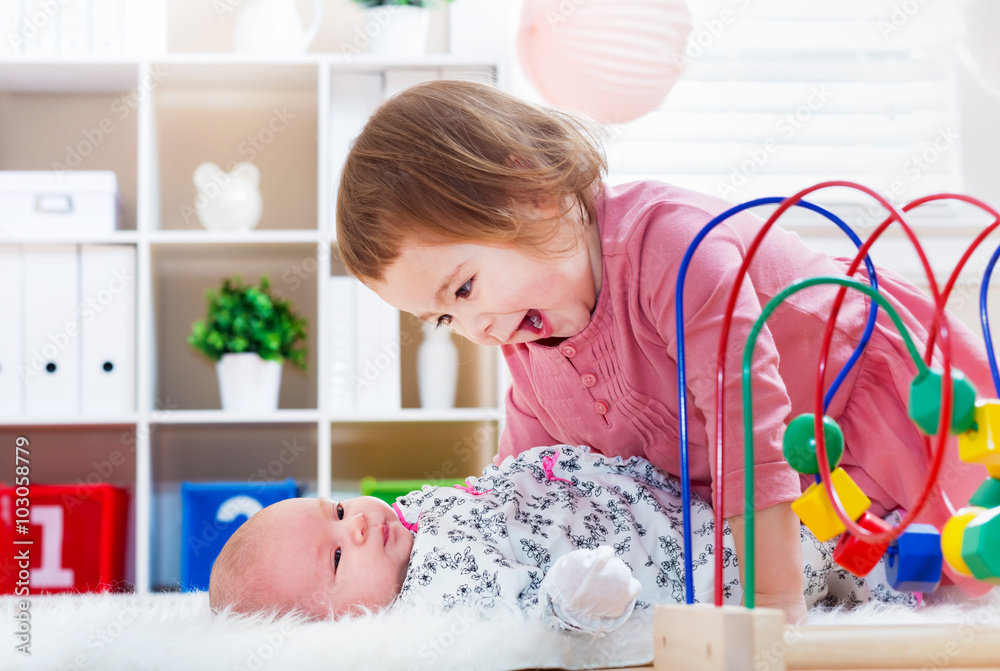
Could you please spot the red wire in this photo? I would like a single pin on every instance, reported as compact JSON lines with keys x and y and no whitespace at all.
{"x":938,"y":323}
{"x":721,"y":374}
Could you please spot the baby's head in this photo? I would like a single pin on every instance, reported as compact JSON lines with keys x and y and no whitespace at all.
{"x":452,"y":161}
{"x":317,"y":556}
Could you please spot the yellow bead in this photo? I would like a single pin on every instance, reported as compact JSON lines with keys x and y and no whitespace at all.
{"x":993,"y":470}
{"x":979,"y":445}
{"x":816,"y":511}
{"x":951,"y":538}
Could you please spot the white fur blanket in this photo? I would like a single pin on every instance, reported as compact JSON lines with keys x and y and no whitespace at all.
{"x":176,"y":631}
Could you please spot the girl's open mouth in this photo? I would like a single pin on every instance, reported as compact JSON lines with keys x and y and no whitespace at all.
{"x":533,"y":323}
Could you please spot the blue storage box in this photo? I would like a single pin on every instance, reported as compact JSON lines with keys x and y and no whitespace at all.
{"x":211,"y":512}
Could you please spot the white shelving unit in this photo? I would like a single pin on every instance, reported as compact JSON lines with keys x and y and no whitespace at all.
{"x":168,"y":115}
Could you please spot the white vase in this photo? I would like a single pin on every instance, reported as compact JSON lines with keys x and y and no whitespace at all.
{"x":437,"y":368}
{"x":397,"y":30}
{"x":248,"y":383}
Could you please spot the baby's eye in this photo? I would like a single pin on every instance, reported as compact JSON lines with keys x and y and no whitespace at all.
{"x":336,"y":559}
{"x":443,"y":320}
{"x":340,"y":514}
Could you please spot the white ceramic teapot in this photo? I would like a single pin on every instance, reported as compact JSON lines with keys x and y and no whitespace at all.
{"x":228,"y":201}
{"x":274,"y":27}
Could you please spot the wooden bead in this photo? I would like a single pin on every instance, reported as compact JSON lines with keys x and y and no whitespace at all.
{"x":856,"y":555}
{"x":913,"y":562}
{"x":816,"y":511}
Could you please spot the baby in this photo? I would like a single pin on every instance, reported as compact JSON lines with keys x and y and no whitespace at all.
{"x":575,"y":538}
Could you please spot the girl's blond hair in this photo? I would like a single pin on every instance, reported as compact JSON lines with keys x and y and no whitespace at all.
{"x":452,"y":161}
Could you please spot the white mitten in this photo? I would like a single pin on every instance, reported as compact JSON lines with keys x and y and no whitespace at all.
{"x":591,"y":590}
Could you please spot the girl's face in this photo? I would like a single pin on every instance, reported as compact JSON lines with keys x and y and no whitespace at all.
{"x":326,"y":556}
{"x":496,"y":294}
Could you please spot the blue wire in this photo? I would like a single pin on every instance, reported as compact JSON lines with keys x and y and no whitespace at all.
{"x":984,"y":316}
{"x":681,"y":372}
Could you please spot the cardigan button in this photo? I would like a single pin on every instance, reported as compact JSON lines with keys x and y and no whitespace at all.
{"x":568,"y":351}
{"x":601,"y":407}
{"x":589,"y":379}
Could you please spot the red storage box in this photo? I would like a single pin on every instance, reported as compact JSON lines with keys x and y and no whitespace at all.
{"x":77,"y":539}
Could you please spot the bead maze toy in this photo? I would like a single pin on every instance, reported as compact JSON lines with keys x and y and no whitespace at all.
{"x":695,"y":636}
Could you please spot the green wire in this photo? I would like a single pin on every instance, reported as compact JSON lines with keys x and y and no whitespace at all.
{"x":749,"y":512}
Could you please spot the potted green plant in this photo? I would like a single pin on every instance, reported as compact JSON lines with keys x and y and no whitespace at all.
{"x":249,"y":332}
{"x":397,"y":27}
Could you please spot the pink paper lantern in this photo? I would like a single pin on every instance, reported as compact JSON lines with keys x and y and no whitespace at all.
{"x":614,"y":60}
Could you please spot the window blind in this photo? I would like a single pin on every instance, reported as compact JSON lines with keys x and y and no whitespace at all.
{"x":781,"y":94}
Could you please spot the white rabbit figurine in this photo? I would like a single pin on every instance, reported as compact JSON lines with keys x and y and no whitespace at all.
{"x":228,"y":201}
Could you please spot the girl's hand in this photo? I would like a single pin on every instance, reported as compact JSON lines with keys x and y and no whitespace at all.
{"x":795,"y":609}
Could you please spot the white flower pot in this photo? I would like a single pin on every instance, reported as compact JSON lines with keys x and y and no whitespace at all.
{"x":397,"y":30}
{"x":248,"y":383}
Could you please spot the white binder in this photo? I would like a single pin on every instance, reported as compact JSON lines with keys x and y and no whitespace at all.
{"x":74,"y":28}
{"x":377,"y":367}
{"x":40,"y":27}
{"x":11,"y":333}
{"x":342,"y":345}
{"x":107,"y":316}
{"x":51,"y":330}
{"x":11,"y":41}
{"x":109,"y":17}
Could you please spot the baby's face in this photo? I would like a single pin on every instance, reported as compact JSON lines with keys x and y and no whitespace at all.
{"x":326,"y":557}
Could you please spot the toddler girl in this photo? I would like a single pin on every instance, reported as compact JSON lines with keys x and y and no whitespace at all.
{"x":485,"y":214}
{"x":571,"y":537}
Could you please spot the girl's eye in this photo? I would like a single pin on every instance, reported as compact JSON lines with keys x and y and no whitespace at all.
{"x":340,"y":514}
{"x":336,"y":559}
{"x":463,"y":292}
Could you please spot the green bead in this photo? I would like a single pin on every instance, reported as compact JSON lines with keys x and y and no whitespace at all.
{"x":925,"y":401}
{"x":981,"y":545}
{"x":799,"y":444}
{"x":988,"y":494}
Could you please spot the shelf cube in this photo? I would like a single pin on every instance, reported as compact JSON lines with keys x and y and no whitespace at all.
{"x":913,"y":563}
{"x":856,"y":555}
{"x":815,"y":509}
{"x":979,"y":445}
{"x":77,"y":537}
{"x":211,"y":512}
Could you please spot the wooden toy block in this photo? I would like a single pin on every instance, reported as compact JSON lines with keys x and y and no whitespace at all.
{"x":925,"y":401}
{"x":701,"y":637}
{"x":856,"y":555}
{"x":903,"y":646}
{"x":816,"y":511}
{"x":799,"y":443}
{"x":978,"y":445}
{"x":913,"y":562}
